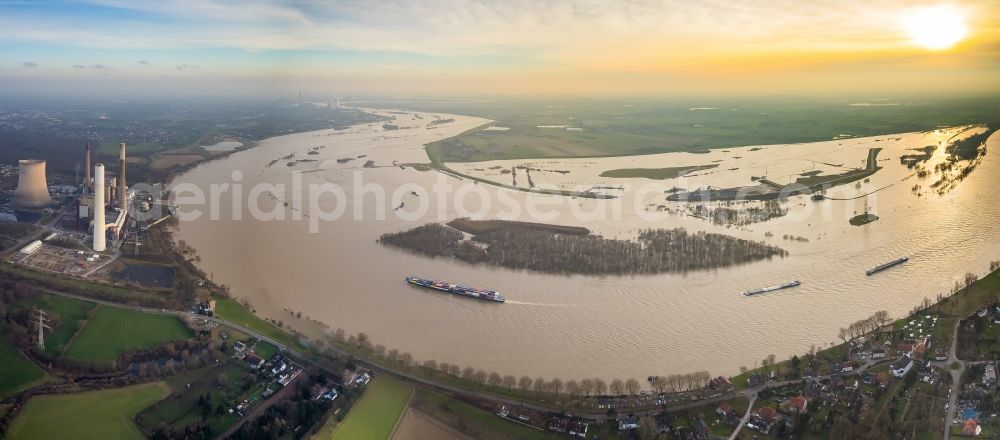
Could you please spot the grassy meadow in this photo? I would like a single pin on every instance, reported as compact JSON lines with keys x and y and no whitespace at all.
{"x":375,"y":415}
{"x":104,"y":414}
{"x":113,"y":331}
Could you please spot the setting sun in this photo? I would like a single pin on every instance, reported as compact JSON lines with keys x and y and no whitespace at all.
{"x":935,"y":27}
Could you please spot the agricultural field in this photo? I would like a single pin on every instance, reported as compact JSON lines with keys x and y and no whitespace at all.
{"x":113,"y":331}
{"x":104,"y":414}
{"x":594,"y":129}
{"x":64,"y":315}
{"x":375,"y":415}
{"x":473,"y":421}
{"x":187,"y":405}
{"x":16,"y":372}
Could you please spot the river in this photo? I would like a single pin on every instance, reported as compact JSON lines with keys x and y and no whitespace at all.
{"x":573,"y":327}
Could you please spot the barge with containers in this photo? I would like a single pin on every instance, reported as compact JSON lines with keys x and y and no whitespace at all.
{"x":489,"y":295}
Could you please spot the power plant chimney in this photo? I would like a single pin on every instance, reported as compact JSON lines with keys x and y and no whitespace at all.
{"x":122,"y":189}
{"x":99,"y":224}
{"x":87,"y":183}
{"x":32,"y":190}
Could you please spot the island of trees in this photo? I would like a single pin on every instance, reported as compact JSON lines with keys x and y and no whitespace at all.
{"x":553,"y":249}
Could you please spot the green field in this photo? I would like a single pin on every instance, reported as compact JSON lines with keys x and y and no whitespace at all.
{"x":183,"y":410}
{"x":617,"y":128}
{"x":16,"y":371}
{"x":234,"y":312}
{"x":105,"y":414}
{"x":67,"y":312}
{"x":376,"y":413}
{"x":113,"y":331}
{"x":265,"y":350}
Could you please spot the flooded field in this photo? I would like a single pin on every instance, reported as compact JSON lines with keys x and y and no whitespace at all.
{"x":578,"y":326}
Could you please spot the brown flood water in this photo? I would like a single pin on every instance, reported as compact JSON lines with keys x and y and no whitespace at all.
{"x":583,"y":326}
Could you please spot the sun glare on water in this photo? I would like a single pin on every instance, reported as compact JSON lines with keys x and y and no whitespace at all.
{"x":935,"y":27}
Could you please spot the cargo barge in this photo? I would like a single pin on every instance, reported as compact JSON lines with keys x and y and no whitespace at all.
{"x":885,"y":266}
{"x":489,"y":295}
{"x":787,"y":285}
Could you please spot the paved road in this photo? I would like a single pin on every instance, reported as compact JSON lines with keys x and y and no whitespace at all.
{"x":746,"y":417}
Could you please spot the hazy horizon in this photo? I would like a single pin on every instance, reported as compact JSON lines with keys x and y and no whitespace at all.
{"x":482,"y":48}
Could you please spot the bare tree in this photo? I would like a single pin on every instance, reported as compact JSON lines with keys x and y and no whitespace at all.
{"x":556,"y":386}
{"x":617,"y":387}
{"x":524,"y":383}
{"x":587,"y":386}
{"x":453,"y":370}
{"x":481,"y":376}
{"x":600,"y":387}
{"x":539,"y":385}
{"x":572,"y":388}
{"x":659,"y":384}
{"x":468,"y":373}
{"x":632,"y":385}
{"x":495,"y":379}
{"x":509,"y":381}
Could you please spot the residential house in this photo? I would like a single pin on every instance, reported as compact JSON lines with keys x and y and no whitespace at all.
{"x":845,"y":367}
{"x":253,"y":360}
{"x":798,"y":404}
{"x":768,"y":414}
{"x":971,"y":428}
{"x":990,"y":375}
{"x":941,"y":354}
{"x":578,"y":429}
{"x":720,"y":384}
{"x":724,"y":408}
{"x":901,"y":366}
{"x":628,"y":423}
{"x":558,"y":424}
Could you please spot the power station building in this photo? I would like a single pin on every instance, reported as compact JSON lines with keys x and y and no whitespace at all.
{"x":32,"y":189}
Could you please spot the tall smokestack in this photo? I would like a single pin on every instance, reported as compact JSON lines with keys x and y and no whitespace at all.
{"x":87,"y":183}
{"x":99,"y":224}
{"x":122,"y":192}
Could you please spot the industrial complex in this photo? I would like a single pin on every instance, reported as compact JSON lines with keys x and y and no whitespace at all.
{"x":88,"y":221}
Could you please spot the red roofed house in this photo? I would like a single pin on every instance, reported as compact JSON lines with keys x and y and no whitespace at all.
{"x":768,"y":413}
{"x":971,"y":427}
{"x":798,"y":404}
{"x":724,"y":408}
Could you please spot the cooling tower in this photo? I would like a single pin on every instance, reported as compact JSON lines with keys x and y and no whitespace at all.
{"x":99,"y":224}
{"x":87,"y":183}
{"x":32,"y":190}
{"x":122,"y":189}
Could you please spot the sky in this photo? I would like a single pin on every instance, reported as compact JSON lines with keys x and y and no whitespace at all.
{"x":502,"y":47}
